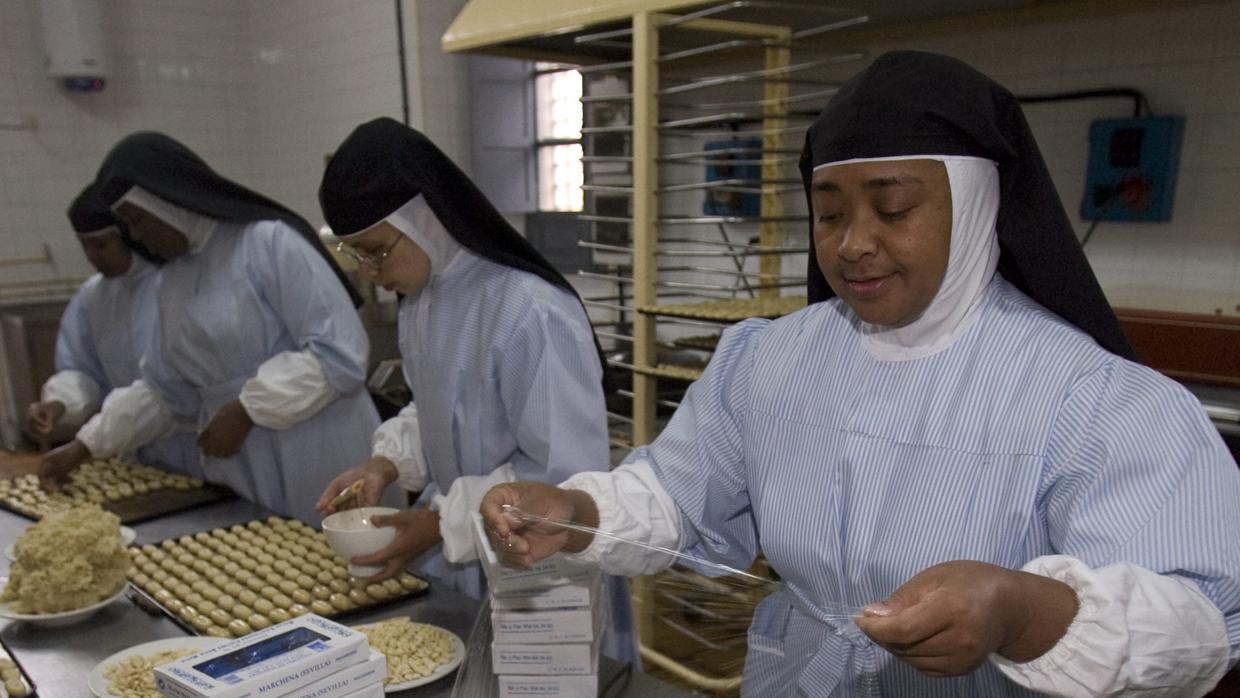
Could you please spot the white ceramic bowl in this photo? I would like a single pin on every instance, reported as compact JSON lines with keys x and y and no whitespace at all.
{"x":351,"y":534}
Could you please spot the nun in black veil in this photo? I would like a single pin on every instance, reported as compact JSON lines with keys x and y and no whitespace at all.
{"x":257,"y":343}
{"x":953,"y":436}
{"x":506,"y":374}
{"x":103,"y":333}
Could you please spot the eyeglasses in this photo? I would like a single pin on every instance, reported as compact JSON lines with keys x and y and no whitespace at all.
{"x":372,"y":261}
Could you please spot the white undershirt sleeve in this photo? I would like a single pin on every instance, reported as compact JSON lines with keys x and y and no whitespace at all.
{"x":633,"y":505}
{"x":456,"y":510}
{"x":1136,"y":632}
{"x":288,"y":388}
{"x":78,"y":392}
{"x":131,"y":418}
{"x":399,"y":440}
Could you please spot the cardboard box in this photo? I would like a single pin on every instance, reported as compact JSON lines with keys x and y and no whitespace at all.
{"x":575,"y":595}
{"x":271,"y":662}
{"x":556,"y":570}
{"x":348,"y":680}
{"x":374,"y":690}
{"x":545,"y":660}
{"x":547,"y":627}
{"x":548,"y":686}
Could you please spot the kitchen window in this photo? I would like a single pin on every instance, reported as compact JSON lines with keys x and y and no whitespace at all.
{"x":558,"y":115}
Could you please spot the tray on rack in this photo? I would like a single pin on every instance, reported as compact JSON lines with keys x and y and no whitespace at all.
{"x":730,"y":310}
{"x":229,"y":582}
{"x":677,"y":372}
{"x":131,"y":491}
{"x":706,"y":342}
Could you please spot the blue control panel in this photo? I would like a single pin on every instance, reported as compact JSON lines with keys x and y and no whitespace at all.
{"x":1133,"y":165}
{"x":745,"y":174}
{"x":84,"y":84}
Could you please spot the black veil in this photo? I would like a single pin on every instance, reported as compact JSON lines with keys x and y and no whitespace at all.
{"x":173,"y":172}
{"x":909,"y":103}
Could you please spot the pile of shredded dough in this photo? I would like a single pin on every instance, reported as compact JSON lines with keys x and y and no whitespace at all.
{"x":70,"y":559}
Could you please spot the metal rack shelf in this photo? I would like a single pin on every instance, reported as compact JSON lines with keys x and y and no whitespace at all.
{"x":739,"y":186}
{"x":673,"y":371}
{"x":742,"y":250}
{"x":675,"y":287}
{"x":732,"y":310}
{"x":706,"y":342}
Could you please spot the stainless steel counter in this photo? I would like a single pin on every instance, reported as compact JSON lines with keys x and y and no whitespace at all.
{"x":1221,"y":404}
{"x":60,"y":659}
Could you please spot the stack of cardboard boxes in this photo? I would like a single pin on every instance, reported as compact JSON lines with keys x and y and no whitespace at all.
{"x":304,"y":657}
{"x":546,"y":625}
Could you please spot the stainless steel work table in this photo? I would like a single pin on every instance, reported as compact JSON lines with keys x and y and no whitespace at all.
{"x":60,"y":659}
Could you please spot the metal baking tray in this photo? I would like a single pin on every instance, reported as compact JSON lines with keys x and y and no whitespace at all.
{"x":242,"y":565}
{"x":730,"y":310}
{"x":6,"y":653}
{"x":133,"y":492}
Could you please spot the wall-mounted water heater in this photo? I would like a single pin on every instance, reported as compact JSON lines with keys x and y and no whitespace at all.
{"x":73,"y":43}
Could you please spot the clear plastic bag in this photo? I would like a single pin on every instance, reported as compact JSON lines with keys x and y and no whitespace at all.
{"x":474,"y":678}
{"x":728,"y":582}
{"x":697,"y":614}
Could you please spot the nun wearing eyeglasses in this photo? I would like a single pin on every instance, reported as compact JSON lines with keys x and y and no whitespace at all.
{"x":952,"y":435}
{"x":103,"y":333}
{"x":505,"y":371}
{"x":257,"y":343}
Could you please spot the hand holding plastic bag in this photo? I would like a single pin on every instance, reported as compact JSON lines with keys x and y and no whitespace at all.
{"x":521,"y":541}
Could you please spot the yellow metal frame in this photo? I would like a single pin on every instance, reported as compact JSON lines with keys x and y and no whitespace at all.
{"x":684,"y":673}
{"x":490,"y":24}
{"x":645,"y":210}
{"x":485,"y":24}
{"x":645,"y":232}
{"x":775,"y":117}
{"x":645,"y":235}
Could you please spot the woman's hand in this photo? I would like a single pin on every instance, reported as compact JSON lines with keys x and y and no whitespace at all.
{"x":376,"y":474}
{"x":521,"y":544}
{"x":224,"y":434}
{"x":417,"y":530}
{"x":56,"y":465}
{"x":949,"y":618}
{"x":43,"y":416}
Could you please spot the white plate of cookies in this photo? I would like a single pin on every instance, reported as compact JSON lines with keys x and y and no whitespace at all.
{"x":417,"y":653}
{"x":130,"y":671}
{"x":55,"y":620}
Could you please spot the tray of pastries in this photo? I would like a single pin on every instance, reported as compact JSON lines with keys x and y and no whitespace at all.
{"x":17,"y":683}
{"x":676,"y":371}
{"x":228,"y":582}
{"x":700,"y":342}
{"x":730,"y":310}
{"x":131,"y":491}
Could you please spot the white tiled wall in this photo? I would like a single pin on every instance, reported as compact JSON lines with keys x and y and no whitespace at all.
{"x":321,"y":68}
{"x":443,"y":89}
{"x":1187,"y":61}
{"x":262,"y":89}
{"x":180,"y":67}
{"x":324,"y":66}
